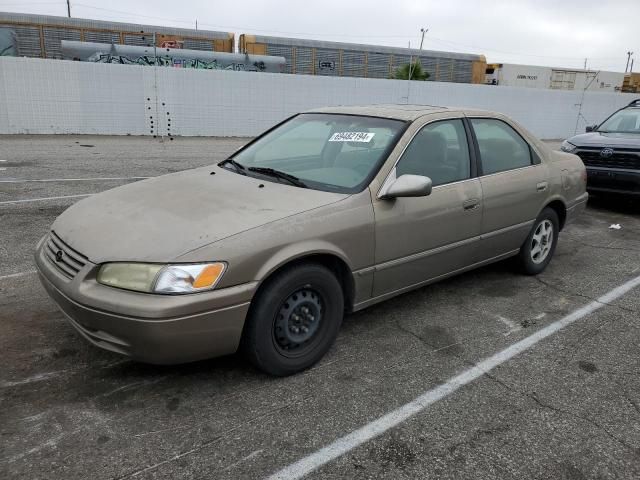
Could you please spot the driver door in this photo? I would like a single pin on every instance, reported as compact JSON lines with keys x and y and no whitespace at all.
{"x":422,"y":238}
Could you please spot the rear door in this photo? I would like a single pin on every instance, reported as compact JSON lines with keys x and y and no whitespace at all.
{"x":514,"y":186}
{"x":422,"y":238}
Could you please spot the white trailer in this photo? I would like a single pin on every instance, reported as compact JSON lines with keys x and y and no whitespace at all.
{"x":532,"y":76}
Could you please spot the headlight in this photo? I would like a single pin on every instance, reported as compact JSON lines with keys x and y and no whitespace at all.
{"x":188,"y":278}
{"x":567,"y":147}
{"x":152,"y":278}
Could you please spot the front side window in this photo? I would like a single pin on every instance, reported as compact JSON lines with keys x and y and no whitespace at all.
{"x":624,"y":121}
{"x":439,"y":151}
{"x":501,"y":147}
{"x":330,"y":152}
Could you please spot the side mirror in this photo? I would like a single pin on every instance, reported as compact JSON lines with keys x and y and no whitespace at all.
{"x":591,"y":128}
{"x":409,"y":186}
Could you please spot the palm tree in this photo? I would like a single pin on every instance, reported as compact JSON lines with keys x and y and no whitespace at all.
{"x":417,"y":72}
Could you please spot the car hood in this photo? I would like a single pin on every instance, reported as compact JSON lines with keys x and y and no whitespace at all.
{"x":601,"y":139}
{"x":159,"y":219}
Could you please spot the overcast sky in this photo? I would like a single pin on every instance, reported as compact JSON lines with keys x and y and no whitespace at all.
{"x":533,"y":32}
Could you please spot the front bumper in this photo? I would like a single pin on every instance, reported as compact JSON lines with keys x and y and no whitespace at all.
{"x":613,"y":180}
{"x":161,"y":329}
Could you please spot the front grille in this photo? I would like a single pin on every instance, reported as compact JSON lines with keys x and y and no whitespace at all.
{"x":62,"y":256}
{"x":619,"y":159}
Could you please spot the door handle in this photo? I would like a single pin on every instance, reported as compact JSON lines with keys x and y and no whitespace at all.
{"x":542,"y":186}
{"x":471,"y":204}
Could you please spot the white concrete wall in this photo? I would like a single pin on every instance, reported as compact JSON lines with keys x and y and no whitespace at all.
{"x":63,"y":97}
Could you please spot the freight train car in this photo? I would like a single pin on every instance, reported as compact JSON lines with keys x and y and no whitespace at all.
{"x":530,"y":76}
{"x":40,"y":35}
{"x":313,"y":57}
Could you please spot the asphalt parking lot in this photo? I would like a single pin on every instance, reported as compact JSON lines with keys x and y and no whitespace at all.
{"x":567,"y":408}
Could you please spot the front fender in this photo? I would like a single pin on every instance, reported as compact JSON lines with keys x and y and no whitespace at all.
{"x":297,"y":251}
{"x":344,"y":230}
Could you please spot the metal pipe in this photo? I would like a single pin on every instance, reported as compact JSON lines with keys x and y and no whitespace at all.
{"x":133,"y":54}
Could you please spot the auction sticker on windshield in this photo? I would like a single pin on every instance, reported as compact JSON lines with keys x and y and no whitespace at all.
{"x":351,"y":137}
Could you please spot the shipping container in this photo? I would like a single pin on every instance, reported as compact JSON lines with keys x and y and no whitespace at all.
{"x":631,"y":83}
{"x":314,"y":57}
{"x":531,"y":76}
{"x":40,"y":35}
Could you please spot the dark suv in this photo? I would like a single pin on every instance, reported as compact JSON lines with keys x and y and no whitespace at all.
{"x":611,"y":152}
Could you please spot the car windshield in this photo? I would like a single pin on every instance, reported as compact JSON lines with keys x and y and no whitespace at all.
{"x":624,"y":121}
{"x":331,"y":152}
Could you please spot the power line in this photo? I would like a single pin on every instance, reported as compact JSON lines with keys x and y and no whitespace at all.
{"x":231,"y":27}
{"x":478,"y":47}
{"x":23,"y":4}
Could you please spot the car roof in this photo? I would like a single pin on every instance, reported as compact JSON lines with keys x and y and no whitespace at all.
{"x":398,"y":111}
{"x":634,"y":104}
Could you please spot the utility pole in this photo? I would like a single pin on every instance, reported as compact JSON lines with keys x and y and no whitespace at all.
{"x":631,"y":68}
{"x":68,"y":9}
{"x":196,"y":23}
{"x":585,"y":63}
{"x":423,"y":34}
{"x":411,"y":57}
{"x":628,"y":58}
{"x":410,"y":62}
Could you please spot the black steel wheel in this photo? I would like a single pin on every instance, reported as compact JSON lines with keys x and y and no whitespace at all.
{"x":294,"y":319}
{"x":298,"y":321}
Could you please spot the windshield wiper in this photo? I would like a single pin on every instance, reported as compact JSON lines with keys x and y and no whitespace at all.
{"x":292,"y":179}
{"x":237,"y":165}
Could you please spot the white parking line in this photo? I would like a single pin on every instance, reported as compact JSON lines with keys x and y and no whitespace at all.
{"x":16,"y":275}
{"x":95,"y":179}
{"x":43,"y":199}
{"x":394,"y":418}
{"x":2,"y":169}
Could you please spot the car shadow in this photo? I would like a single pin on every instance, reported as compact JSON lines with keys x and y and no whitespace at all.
{"x":624,"y":204}
{"x":226,"y":368}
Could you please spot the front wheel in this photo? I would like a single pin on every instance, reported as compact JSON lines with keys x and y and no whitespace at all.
{"x":540,"y":245}
{"x":293,"y":320}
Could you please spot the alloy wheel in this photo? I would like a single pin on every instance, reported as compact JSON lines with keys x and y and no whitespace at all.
{"x":541,"y":241}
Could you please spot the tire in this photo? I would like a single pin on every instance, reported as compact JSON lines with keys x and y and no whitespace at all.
{"x":293,"y":320}
{"x":538,"y":249}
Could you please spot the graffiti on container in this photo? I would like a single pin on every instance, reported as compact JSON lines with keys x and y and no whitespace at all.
{"x":167,"y":61}
{"x":171,"y":44}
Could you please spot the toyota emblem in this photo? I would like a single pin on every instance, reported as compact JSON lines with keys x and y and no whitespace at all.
{"x":59,"y":255}
{"x":606,"y":152}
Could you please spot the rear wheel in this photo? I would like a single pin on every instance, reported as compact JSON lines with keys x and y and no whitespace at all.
{"x":294,"y":319}
{"x":540,"y":245}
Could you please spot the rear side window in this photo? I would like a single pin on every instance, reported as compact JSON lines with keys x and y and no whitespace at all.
{"x":501,"y":147}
